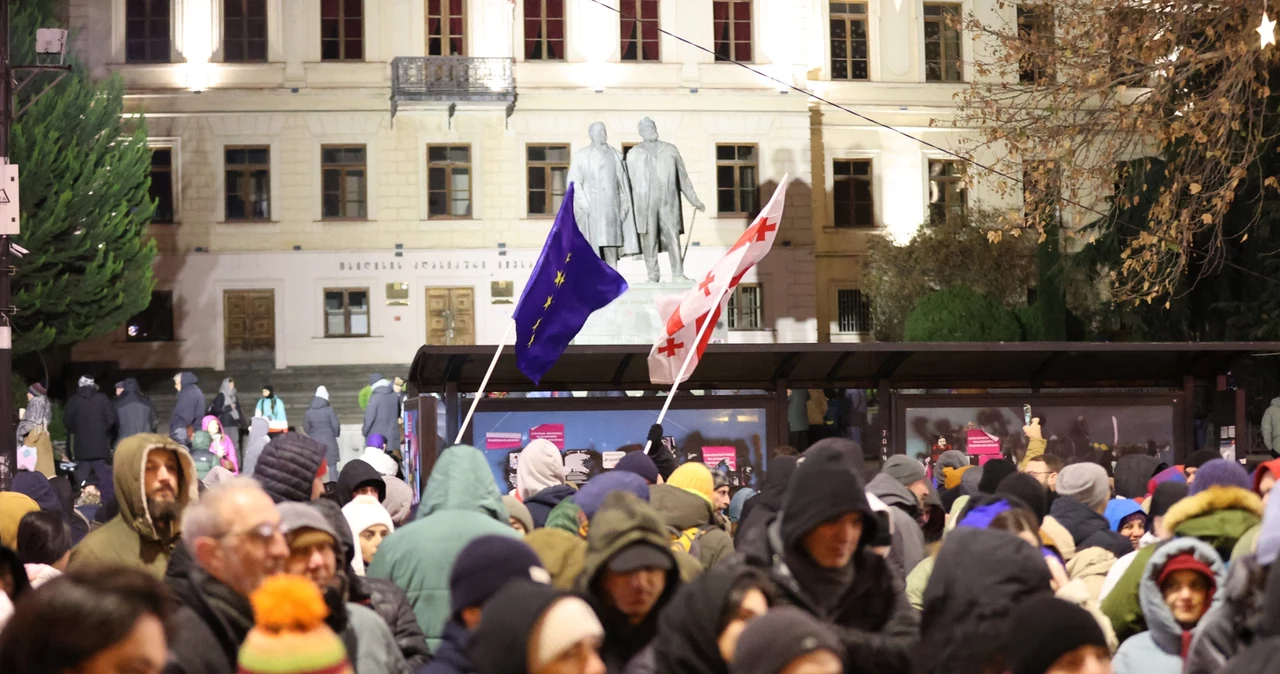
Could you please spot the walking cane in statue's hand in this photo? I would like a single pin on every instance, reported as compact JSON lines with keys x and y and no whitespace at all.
{"x":690,"y":239}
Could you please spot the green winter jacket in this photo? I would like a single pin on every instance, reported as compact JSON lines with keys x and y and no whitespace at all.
{"x":461,"y":503}
{"x":681,"y":510}
{"x":1219,"y":516}
{"x":565,"y":517}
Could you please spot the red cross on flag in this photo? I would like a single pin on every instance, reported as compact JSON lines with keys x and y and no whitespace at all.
{"x":708,"y":298}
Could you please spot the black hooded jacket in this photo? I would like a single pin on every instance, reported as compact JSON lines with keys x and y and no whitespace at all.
{"x":355,"y":474}
{"x":500,"y":644}
{"x":769,"y":501}
{"x":134,"y":412}
{"x":1260,"y":658}
{"x":89,"y":419}
{"x":689,"y":629}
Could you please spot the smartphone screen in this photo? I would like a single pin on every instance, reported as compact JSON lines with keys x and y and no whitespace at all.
{"x":1026,"y":415}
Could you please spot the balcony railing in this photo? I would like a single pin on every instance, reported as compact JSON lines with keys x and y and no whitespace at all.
{"x":451,"y":79}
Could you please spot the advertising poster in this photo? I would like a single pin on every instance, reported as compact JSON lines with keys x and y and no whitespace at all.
{"x":982,"y":446}
{"x":498,"y":441}
{"x":712,"y":456}
{"x":553,"y":433}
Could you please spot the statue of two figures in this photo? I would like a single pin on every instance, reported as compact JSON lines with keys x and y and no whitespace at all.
{"x":632,"y":207}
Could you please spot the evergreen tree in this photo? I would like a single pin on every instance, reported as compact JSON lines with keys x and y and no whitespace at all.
{"x":85,"y":181}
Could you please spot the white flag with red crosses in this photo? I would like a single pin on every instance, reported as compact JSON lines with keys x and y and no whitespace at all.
{"x":686,"y":315}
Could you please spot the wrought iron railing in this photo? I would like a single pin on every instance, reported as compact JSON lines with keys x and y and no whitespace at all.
{"x":451,"y":79}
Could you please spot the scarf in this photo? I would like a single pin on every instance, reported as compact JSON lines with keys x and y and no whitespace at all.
{"x":229,"y":398}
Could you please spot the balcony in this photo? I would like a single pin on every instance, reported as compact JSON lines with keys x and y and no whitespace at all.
{"x":451,"y":79}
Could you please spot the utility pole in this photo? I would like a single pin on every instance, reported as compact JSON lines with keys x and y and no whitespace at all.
{"x":8,"y":439}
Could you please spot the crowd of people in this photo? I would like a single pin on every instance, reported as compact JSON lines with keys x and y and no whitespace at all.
{"x":275,"y":564}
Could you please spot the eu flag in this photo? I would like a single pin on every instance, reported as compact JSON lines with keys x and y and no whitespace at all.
{"x":568,"y":283}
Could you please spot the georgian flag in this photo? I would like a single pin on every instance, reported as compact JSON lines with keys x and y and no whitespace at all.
{"x":686,"y":315}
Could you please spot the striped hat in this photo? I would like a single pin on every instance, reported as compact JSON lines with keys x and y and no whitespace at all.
{"x":290,"y":636}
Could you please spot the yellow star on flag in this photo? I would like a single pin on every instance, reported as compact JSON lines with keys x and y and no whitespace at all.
{"x":568,"y":257}
{"x":559,"y":279}
{"x":536,"y":324}
{"x":1267,"y":31}
{"x":548,"y":304}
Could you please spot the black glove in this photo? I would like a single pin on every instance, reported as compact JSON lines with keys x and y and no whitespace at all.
{"x":661,"y":455}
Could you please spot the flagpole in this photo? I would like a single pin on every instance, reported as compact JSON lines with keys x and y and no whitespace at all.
{"x":724,"y":288}
{"x":502,"y":344}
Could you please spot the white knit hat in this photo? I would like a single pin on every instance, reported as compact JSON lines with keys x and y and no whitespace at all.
{"x":562,"y":626}
{"x":363,"y":512}
{"x":322,"y":392}
{"x":380,"y":460}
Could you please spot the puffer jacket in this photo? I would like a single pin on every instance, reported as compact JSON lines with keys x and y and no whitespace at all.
{"x":461,"y":503}
{"x":392,"y":605}
{"x":1159,"y":649}
{"x":130,"y":538}
{"x":542,"y":503}
{"x":1233,"y":624}
{"x":382,"y":416}
{"x":681,"y":510}
{"x":907,"y":549}
{"x":452,"y":657}
{"x":321,"y":424}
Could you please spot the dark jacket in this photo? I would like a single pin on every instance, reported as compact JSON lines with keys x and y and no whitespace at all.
{"x":209,"y":626}
{"x":542,"y":503}
{"x":1260,"y":657}
{"x":134,"y":412}
{"x":230,"y":416}
{"x":321,"y":423}
{"x":907,"y":548}
{"x":392,"y":605}
{"x":762,"y":508}
{"x":689,"y":631}
{"x":89,"y":419}
{"x":190,"y":406}
{"x":382,"y":416}
{"x":288,"y":467}
{"x":1236,"y":623}
{"x":1087,"y":528}
{"x":451,"y":657}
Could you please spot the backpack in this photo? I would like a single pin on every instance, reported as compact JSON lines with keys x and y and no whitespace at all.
{"x":689,"y":540}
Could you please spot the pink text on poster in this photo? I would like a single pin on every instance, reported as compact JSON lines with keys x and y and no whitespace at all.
{"x":712,"y":456}
{"x":502,"y":441}
{"x":553,"y":433}
{"x":983,"y":445}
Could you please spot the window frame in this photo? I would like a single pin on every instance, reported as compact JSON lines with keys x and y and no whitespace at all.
{"x":243,"y":38}
{"x":849,"y":18}
{"x":342,"y":38}
{"x":149,"y":42}
{"x":946,"y":11}
{"x":548,"y":167}
{"x":1035,"y":19}
{"x":449,"y":165}
{"x":172,"y":320}
{"x":544,"y":20}
{"x":862,"y":308}
{"x":738,"y":189}
{"x":447,"y":39}
{"x":951,"y":184}
{"x":636,"y":17}
{"x":346,"y":311}
{"x":869,"y":179}
{"x":734,"y":312}
{"x":726,"y":47}
{"x":169,"y":170}
{"x":344,"y":168}
{"x":245,"y":170}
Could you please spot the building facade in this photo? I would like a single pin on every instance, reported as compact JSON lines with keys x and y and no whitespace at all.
{"x":341,"y":181}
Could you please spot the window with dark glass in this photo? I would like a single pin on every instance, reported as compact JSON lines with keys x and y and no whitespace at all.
{"x":942,"y":43}
{"x":162,"y":184}
{"x":548,"y":173}
{"x":446,"y":27}
{"x":449,"y":181}
{"x":737,"y":179}
{"x":1035,"y":27}
{"x":544,"y":30}
{"x":853,"y":311}
{"x":248,"y":177}
{"x":947,"y":193}
{"x":147,"y":31}
{"x":849,"y":59}
{"x":745,"y":308}
{"x":344,"y":177}
{"x":346,"y":312}
{"x":639,"y":30}
{"x":731,"y":20}
{"x":854,"y":204}
{"x":342,"y":30}
{"x":155,"y":323}
{"x":244,"y":30}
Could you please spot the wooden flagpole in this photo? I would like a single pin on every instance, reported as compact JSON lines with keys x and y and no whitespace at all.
{"x":502,"y":344}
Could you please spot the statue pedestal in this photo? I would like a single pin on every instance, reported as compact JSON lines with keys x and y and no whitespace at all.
{"x":633,"y":318}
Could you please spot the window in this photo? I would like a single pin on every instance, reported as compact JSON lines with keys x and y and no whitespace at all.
{"x":942,"y":43}
{"x":745,"y":308}
{"x":853,"y":311}
{"x":854,"y":204}
{"x":244,"y":30}
{"x":1035,"y":27}
{"x":639,"y":30}
{"x":449,"y":181}
{"x":248,"y":173}
{"x":548,"y":168}
{"x":947,"y":193}
{"x":736,"y":180}
{"x":446,"y":28}
{"x":343,"y":175}
{"x":346,"y":312}
{"x":732,"y":25}
{"x":146,"y":31}
{"x":162,"y":184}
{"x":155,"y":323}
{"x":544,"y":30}
{"x":849,"y":41}
{"x":342,"y":30}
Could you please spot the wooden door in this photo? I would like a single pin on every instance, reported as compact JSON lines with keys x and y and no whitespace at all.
{"x":249,"y":317}
{"x":451,"y":316}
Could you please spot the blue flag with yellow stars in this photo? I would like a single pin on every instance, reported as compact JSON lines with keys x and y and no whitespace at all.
{"x":568,"y":282}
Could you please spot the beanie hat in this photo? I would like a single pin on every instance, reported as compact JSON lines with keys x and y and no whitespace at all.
{"x":994,"y":472}
{"x":520,"y":621}
{"x":1170,"y":474}
{"x":567,"y":622}
{"x":86,"y":380}
{"x":37,"y":389}
{"x":488,"y":563}
{"x":287,"y":467}
{"x":296,"y":517}
{"x":720,"y":479}
{"x":322,"y":392}
{"x":1085,"y":482}
{"x":374,"y":378}
{"x":1029,"y":491}
{"x":519,"y":511}
{"x":289,"y":635}
{"x":1165,"y":495}
{"x":1201,"y":457}
{"x":363,"y":512}
{"x":953,"y":458}
{"x":375,"y":440}
{"x":640,"y":464}
{"x":774,"y":640}
{"x":739,"y":499}
{"x":1219,"y":473}
{"x":823,"y":487}
{"x":904,"y":469}
{"x":540,"y":466}
{"x":1187,"y":561}
{"x":1044,"y":629}
{"x":694,"y":478}
{"x":592,"y":495}
{"x":1271,"y":467}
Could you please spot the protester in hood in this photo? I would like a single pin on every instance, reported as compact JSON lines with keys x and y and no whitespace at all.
{"x":762,"y":508}
{"x":993,"y":473}
{"x":639,"y":463}
{"x":134,"y":412}
{"x":289,"y":634}
{"x":155,"y":481}
{"x":530,"y":628}
{"x":1127,"y":517}
{"x":901,"y":485}
{"x":221,"y":445}
{"x":226,"y":406}
{"x":272,"y":408}
{"x":259,"y":436}
{"x":1052,"y":636}
{"x":690,"y":516}
{"x":1165,"y":496}
{"x":460,"y":503}
{"x":1264,"y":478}
{"x":292,"y":468}
{"x":382,"y":416}
{"x":1083,"y":493}
{"x":370,"y":524}
{"x":950,"y":467}
{"x":1195,"y":461}
{"x":43,"y":545}
{"x":540,"y":482}
{"x":787,"y":640}
{"x":483,"y":567}
{"x":399,"y":500}
{"x":360,"y":479}
{"x":1179,"y":585}
{"x":187,"y":410}
{"x":816,"y":552}
{"x":105,"y":620}
{"x":517,"y":514}
{"x":90,"y":419}
{"x":698,"y":632}
{"x":321,"y":424}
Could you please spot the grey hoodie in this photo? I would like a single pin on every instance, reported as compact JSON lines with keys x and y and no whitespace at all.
{"x":908,"y":547}
{"x":190,"y":406}
{"x":258,"y":439}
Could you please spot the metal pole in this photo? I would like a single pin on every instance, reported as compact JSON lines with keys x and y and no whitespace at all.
{"x":8,"y":441}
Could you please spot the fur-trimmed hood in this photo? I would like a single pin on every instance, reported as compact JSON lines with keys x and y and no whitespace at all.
{"x":1212,"y":500}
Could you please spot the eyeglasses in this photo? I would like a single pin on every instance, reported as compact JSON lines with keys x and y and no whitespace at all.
{"x":263,"y":533}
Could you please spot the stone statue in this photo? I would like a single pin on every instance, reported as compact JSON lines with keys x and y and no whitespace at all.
{"x":658,"y":178}
{"x":602,"y":198}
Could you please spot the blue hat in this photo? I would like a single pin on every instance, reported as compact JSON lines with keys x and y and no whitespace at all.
{"x":640,"y":464}
{"x":593,"y":493}
{"x":487,"y":564}
{"x":739,"y":499}
{"x":1120,"y":509}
